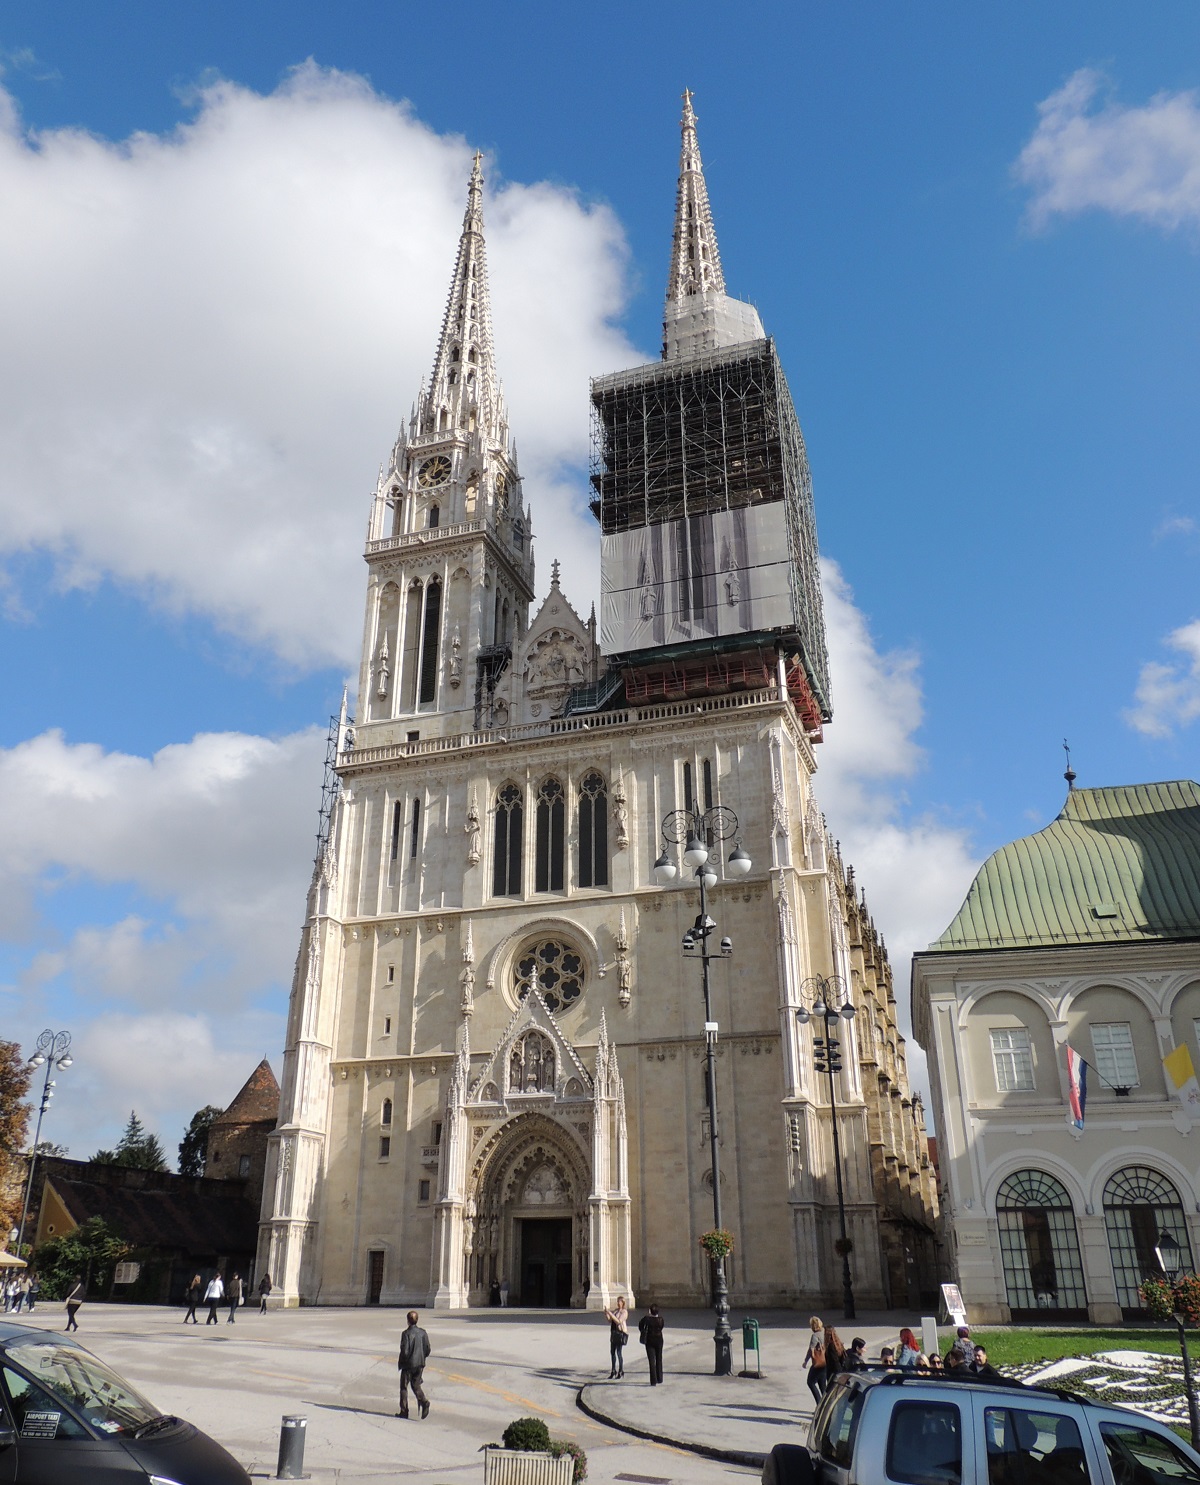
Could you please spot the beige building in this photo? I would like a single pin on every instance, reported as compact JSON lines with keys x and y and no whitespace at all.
{"x":495,"y":1062}
{"x":1086,"y":934}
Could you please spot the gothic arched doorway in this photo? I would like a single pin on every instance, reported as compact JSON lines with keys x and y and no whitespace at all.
{"x":527,"y":1219}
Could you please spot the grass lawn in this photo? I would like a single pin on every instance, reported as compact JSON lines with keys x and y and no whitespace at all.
{"x":1012,"y":1347}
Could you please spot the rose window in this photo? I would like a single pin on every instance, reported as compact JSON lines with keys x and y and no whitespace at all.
{"x":554,"y":969}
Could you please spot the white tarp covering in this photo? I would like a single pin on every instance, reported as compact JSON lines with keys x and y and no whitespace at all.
{"x":699,"y":578}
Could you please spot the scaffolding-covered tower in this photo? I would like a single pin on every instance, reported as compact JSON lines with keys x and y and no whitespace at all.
{"x":709,"y":577}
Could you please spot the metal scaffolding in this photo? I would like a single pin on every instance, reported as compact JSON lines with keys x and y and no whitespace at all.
{"x":714,"y":432}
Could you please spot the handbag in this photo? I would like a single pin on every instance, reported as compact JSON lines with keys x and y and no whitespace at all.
{"x":818,"y":1356}
{"x":622,"y":1337}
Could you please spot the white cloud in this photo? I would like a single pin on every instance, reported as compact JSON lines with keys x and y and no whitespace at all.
{"x":210,"y":339}
{"x":1131,"y":161}
{"x":213,"y":840}
{"x":915,"y":870}
{"x":1167,"y":697}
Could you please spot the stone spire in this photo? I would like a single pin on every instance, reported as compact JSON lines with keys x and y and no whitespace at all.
{"x":464,"y":383}
{"x":699,"y":315}
{"x":695,"y":259}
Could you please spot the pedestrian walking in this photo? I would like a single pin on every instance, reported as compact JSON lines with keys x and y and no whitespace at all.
{"x":618,"y":1335}
{"x":835,"y":1355}
{"x":910,"y":1352}
{"x":264,"y":1288}
{"x":192,"y":1297}
{"x":414,"y":1351}
{"x":74,"y":1300}
{"x":504,"y":1294}
{"x":650,"y":1333}
{"x":213,"y":1296}
{"x":814,"y":1358}
{"x":35,"y":1288}
{"x":234,"y":1295}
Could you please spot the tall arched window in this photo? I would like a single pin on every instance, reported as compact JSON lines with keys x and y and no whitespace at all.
{"x":385,"y":1116}
{"x":506,"y":846}
{"x":435,"y":515}
{"x":1039,"y":1247}
{"x":551,"y":838}
{"x":593,"y":831}
{"x":1140,"y":1206}
{"x":430,"y":633}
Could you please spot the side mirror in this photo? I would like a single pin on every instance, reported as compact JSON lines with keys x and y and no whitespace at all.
{"x":8,"y":1434}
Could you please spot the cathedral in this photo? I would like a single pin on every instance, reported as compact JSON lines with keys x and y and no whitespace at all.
{"x":495,"y":1072}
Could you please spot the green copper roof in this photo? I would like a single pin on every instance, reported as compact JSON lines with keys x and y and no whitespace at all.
{"x":1117,"y":866}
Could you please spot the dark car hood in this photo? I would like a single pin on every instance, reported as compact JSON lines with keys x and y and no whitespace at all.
{"x":187,"y":1455}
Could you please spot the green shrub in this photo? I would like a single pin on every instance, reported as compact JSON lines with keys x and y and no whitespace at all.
{"x":1157,"y":1296}
{"x":559,"y":1447}
{"x":530,"y":1434}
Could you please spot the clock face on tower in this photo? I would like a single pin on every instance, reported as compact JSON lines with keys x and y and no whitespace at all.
{"x":435,"y":471}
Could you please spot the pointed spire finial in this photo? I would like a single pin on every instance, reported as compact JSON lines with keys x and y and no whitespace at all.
{"x":554,"y":572}
{"x":1070,"y":774}
{"x":695,"y":259}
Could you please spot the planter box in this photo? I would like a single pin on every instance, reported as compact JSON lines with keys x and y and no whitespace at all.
{"x":515,"y":1467}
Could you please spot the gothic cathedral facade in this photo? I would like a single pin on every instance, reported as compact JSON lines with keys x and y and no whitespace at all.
{"x":495,"y":1062}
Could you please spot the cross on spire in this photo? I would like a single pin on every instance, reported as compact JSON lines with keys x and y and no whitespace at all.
{"x":464,"y":371}
{"x":695,"y":258}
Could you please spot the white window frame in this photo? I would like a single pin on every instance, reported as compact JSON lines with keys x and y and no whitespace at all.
{"x":1116,"y":1060}
{"x":1012,"y":1059}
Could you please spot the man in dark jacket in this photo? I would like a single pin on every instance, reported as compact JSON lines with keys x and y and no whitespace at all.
{"x":414,"y":1349}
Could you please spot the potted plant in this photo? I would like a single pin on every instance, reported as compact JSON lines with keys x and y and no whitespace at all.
{"x":529,"y":1456}
{"x":718,"y":1243}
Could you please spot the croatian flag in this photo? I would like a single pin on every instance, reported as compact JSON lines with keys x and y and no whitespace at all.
{"x":1077,"y":1078}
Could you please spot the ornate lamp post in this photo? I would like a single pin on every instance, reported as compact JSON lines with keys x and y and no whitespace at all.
{"x":831,"y":1002}
{"x":696,"y":832}
{"x":53,"y":1049}
{"x":1168,"y":1253}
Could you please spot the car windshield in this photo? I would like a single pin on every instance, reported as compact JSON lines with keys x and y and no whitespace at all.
{"x":76,"y":1378}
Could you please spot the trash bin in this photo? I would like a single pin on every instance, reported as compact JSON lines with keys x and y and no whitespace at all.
{"x":750,"y":1342}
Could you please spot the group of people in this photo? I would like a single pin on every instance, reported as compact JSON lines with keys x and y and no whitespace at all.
{"x":827,"y":1355}
{"x":650,"y":1334}
{"x":217,"y":1292}
{"x":19,"y":1293}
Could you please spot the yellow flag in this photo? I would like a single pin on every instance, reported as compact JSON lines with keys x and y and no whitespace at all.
{"x":1183,"y":1077}
{"x":1179,"y":1065}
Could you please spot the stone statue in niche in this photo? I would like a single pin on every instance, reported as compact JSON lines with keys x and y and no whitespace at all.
{"x":624,"y":977}
{"x":515,"y":1071}
{"x":547,"y":1079}
{"x":471,"y":826}
{"x":621,"y":814}
{"x":383,"y":669}
{"x":533,"y":1068}
{"x":455,"y":665}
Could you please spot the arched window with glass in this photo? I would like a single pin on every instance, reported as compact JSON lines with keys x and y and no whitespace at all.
{"x":593,"y":831}
{"x":509,"y":824}
{"x":550,"y":838}
{"x":1039,"y":1248}
{"x":1141,"y":1207}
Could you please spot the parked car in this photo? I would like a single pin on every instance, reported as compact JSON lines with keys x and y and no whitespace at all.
{"x":872,"y":1428}
{"x":67,"y":1419}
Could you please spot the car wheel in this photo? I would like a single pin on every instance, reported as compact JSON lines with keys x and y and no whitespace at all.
{"x":788,"y":1464}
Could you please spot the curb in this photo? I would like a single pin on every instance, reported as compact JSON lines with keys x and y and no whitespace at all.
{"x":709,"y":1451}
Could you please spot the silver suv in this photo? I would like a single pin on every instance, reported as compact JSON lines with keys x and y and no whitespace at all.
{"x":895,"y":1428}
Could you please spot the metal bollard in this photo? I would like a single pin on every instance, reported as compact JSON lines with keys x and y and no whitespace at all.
{"x":292,"y":1434}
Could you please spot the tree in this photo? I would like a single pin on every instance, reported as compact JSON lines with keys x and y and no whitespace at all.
{"x":15,"y":1074}
{"x":193,"y":1147}
{"x":136,"y":1150}
{"x":88,"y":1252}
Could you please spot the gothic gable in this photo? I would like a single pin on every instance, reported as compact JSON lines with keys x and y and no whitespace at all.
{"x":558,"y":651}
{"x":532,"y":1064}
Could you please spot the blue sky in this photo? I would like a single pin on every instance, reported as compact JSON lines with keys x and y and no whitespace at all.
{"x":974,"y":234}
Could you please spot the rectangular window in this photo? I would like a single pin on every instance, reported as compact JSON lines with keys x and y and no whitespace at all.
{"x":387,"y":1026}
{"x":1012,"y":1058}
{"x":1145,"y":1454}
{"x":414,"y":736}
{"x":416,"y":827}
{"x":1112,"y":1042}
{"x":1036,"y":1447}
{"x":243,"y":1166}
{"x":437,"y":1134}
{"x":396,"y":814}
{"x":391,"y":973}
{"x":385,"y":1146}
{"x":687,"y":787}
{"x":925,"y":1444}
{"x":422,"y":1190}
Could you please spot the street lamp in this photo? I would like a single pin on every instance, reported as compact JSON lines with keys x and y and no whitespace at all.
{"x":53,"y":1049}
{"x":697,"y":832}
{"x":831,"y":1001}
{"x":1169,"y":1256}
